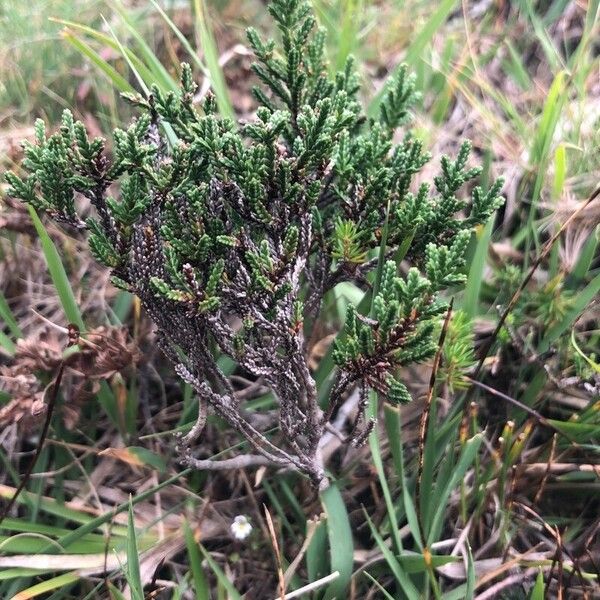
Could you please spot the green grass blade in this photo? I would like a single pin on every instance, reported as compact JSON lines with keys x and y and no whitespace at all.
{"x":352,"y":11}
{"x":115,"y":78}
{"x":392,"y":562}
{"x":122,"y":306}
{"x":475,"y":277}
{"x":386,"y":594}
{"x":415,"y":52}
{"x":517,"y":69}
{"x":97,"y":522}
{"x":30,"y":543}
{"x":233,"y":594}
{"x":580,"y":302}
{"x":379,"y":467}
{"x":115,"y":593}
{"x":143,"y":83}
{"x":160,"y":75}
{"x":458,"y":593}
{"x":431,"y":452}
{"x":426,"y":33}
{"x":68,"y":302}
{"x":393,"y":430}
{"x":211,"y":55}
{"x":200,"y":584}
{"x":7,"y":316}
{"x":17,"y":572}
{"x":546,"y":43}
{"x":540,"y":150}
{"x":416,"y":563}
{"x":134,"y":578}
{"x":22,"y":526}
{"x":465,"y":461}
{"x":57,"y":272}
{"x":184,"y":41}
{"x":7,"y":343}
{"x":594,"y":365}
{"x":341,"y":546}
{"x":106,"y":40}
{"x":470,"y":592}
{"x":317,"y":564}
{"x":55,"y":583}
{"x":552,"y":109}
{"x":53,"y":507}
{"x":537,"y":591}
{"x":585,"y":259}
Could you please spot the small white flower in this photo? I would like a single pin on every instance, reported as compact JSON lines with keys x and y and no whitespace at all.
{"x":241,"y":528}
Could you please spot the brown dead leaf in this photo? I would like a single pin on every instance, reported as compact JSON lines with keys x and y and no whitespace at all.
{"x":319,"y":350}
{"x":122,"y":454}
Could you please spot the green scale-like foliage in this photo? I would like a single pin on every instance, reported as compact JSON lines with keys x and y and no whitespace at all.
{"x":205,"y":219}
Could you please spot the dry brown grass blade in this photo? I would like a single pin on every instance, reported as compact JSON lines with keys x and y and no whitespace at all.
{"x":311,"y":528}
{"x":427,"y":409}
{"x":275,"y":544}
{"x":547,"y":471}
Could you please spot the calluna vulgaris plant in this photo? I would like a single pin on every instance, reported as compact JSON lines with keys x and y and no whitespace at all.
{"x":232,"y":235}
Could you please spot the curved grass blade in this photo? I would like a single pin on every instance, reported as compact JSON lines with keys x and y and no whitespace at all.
{"x":106,"y":40}
{"x":160,"y":75}
{"x":184,"y":41}
{"x":385,"y":593}
{"x":393,"y":563}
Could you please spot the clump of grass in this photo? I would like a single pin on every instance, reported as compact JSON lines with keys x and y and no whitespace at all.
{"x":35,"y":68}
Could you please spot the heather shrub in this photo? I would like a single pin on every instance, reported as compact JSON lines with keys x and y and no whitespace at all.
{"x":232,"y":234}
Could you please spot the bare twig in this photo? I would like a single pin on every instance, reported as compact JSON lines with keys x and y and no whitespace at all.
{"x":237,"y":462}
